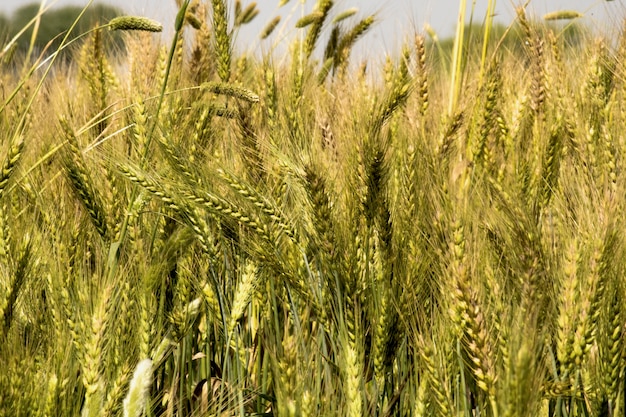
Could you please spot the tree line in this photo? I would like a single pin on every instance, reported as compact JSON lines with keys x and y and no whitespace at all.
{"x":53,"y":25}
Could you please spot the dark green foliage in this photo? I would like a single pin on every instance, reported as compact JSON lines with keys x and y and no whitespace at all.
{"x":55,"y":23}
{"x":508,"y":39}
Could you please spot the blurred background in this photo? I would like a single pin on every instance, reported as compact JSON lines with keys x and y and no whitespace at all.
{"x":397,"y":19}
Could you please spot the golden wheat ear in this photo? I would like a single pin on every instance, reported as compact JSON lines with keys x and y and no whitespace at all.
{"x":13,"y":157}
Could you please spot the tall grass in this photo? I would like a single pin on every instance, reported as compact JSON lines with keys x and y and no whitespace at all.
{"x":190,"y":230}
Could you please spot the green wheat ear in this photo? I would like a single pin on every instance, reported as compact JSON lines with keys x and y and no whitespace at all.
{"x":135,"y":23}
{"x":269,"y":28}
{"x":563,"y":15}
{"x":232,"y":91}
{"x":309,"y":19}
{"x":345,"y":15}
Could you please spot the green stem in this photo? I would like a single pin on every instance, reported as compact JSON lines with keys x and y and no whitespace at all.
{"x":114,"y":250}
{"x":457,"y":54}
{"x":487,"y":33}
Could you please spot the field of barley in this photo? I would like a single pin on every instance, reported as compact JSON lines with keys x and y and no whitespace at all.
{"x":189,"y":230}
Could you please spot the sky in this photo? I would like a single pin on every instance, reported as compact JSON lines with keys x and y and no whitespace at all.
{"x":397,"y":19}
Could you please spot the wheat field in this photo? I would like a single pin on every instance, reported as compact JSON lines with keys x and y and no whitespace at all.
{"x":189,"y":230}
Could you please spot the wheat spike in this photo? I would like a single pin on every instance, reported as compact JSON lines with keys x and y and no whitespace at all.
{"x":135,"y":23}
{"x":322,"y":8}
{"x":16,"y":150}
{"x":223,"y":45}
{"x":562,"y":15}
{"x":243,"y":294}
{"x":82,"y":182}
{"x":139,"y":390}
{"x":270,"y":27}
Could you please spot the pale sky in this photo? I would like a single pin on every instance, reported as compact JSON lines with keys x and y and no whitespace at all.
{"x":397,"y":18}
